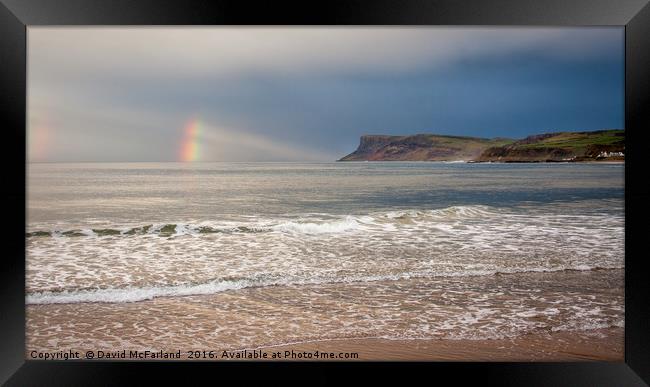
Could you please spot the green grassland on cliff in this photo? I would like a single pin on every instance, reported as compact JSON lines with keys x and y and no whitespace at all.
{"x":561,"y":146}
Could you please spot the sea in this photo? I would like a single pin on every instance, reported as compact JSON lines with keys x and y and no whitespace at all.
{"x":180,"y":256}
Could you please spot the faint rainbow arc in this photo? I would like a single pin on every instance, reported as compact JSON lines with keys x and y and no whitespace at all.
{"x":190,"y":147}
{"x":39,"y":140}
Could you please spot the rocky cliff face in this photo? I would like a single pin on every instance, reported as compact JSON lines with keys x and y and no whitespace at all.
{"x":420,"y":147}
{"x":369,"y":146}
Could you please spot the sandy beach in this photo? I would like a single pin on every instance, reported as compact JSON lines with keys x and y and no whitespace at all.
{"x":597,"y":345}
{"x":354,"y":322}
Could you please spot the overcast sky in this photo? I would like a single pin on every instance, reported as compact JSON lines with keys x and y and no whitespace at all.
{"x":307,"y":94}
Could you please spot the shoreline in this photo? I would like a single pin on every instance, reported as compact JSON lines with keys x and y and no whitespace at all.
{"x":469,"y":319}
{"x":604,"y":344}
{"x":514,"y":274}
{"x":599,"y":344}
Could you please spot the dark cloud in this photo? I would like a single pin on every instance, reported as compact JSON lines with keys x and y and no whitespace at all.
{"x":106,"y":94}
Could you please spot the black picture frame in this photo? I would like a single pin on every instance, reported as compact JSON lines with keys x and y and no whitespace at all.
{"x":17,"y":15}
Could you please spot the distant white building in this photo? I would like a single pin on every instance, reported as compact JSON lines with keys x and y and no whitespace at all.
{"x":611,"y":154}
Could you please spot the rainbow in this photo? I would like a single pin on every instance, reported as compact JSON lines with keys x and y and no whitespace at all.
{"x":190,"y":146}
{"x":39,"y":139}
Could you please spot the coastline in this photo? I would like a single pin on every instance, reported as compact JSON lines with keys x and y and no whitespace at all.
{"x":219,"y":322}
{"x":617,"y":162}
{"x":545,"y":147}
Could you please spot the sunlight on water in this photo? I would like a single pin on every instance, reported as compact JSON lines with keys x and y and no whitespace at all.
{"x":116,"y":234}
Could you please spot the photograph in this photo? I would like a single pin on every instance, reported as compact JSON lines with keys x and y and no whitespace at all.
{"x":330,"y":193}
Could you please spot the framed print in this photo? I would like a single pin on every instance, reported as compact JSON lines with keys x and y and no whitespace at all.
{"x":448,"y":187}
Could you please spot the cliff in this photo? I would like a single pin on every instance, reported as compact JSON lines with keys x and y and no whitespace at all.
{"x":548,"y":147}
{"x":421,"y":147}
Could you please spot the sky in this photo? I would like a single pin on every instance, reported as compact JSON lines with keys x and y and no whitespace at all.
{"x":98,"y":94}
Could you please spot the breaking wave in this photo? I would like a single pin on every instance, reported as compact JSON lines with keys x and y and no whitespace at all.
{"x":300,"y":225}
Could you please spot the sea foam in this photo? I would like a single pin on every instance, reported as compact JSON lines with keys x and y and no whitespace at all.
{"x":134,"y":294}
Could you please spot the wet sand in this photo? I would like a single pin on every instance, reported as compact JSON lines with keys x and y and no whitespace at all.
{"x":562,"y":316}
{"x":595,"y":345}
